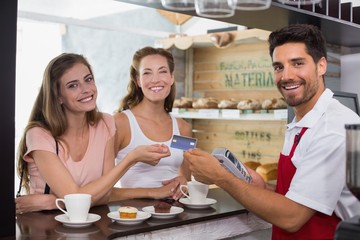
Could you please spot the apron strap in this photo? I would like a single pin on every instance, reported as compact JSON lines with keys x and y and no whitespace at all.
{"x":297,"y":140}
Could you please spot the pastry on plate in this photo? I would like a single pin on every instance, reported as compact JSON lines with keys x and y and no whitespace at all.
{"x":162,"y":207}
{"x":127,"y":212}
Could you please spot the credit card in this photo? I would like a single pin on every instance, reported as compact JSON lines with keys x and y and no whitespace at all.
{"x":183,"y":143}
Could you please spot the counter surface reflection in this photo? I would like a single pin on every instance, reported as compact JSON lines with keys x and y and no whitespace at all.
{"x":43,"y":224}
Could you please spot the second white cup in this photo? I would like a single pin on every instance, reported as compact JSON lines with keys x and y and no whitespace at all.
{"x":77,"y":206}
{"x":196,"y":191}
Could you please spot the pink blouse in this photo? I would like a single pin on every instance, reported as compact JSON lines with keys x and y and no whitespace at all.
{"x":84,"y":171}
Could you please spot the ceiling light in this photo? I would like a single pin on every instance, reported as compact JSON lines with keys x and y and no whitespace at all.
{"x":181,"y":5}
{"x":299,"y":2}
{"x":215,"y":8}
{"x":251,"y":5}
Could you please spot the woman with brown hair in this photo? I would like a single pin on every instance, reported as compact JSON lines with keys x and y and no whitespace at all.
{"x":68,"y":145}
{"x":144,"y":117}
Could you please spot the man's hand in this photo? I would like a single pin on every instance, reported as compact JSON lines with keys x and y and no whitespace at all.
{"x":204,"y":167}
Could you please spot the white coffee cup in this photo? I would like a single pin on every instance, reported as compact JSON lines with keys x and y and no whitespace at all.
{"x":197,"y":192}
{"x":77,"y":206}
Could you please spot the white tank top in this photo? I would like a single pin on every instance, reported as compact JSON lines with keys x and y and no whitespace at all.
{"x":145,"y":175}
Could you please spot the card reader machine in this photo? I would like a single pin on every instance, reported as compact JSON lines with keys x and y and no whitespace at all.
{"x":228,"y":160}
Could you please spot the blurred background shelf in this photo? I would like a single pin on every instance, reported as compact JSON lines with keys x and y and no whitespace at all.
{"x":231,"y":114}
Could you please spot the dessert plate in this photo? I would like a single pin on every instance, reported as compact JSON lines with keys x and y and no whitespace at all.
{"x":206,"y":204}
{"x":72,"y":233}
{"x":65,"y":220}
{"x":140,"y":217}
{"x":174,"y":211}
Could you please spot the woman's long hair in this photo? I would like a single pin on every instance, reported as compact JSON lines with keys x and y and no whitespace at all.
{"x":135,"y":94}
{"x":47,"y":111}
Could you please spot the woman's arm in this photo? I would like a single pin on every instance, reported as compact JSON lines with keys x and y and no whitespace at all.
{"x":109,"y":164}
{"x":38,"y":202}
{"x":35,"y":202}
{"x":153,"y":193}
{"x":100,"y":187}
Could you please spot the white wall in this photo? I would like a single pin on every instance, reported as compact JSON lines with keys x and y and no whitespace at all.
{"x":37,"y":44}
{"x":350,"y":73}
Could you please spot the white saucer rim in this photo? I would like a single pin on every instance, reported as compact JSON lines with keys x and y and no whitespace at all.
{"x":129,"y":220}
{"x":187,"y":202}
{"x":94,"y":230}
{"x":177,"y":209}
{"x":65,"y":220}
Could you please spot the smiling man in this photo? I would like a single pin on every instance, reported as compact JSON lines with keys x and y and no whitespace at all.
{"x":310,"y":197}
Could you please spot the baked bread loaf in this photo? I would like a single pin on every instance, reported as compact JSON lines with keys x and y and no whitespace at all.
{"x":127,"y":212}
{"x":252,"y":165}
{"x":205,"y":103}
{"x":228,"y":104}
{"x":267,"y":171}
{"x":250,"y":104}
{"x":162,"y":207}
{"x":176,"y":103}
{"x":275,"y":103}
{"x":183,"y":102}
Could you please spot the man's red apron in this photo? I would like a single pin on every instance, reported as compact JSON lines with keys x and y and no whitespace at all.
{"x":320,"y":226}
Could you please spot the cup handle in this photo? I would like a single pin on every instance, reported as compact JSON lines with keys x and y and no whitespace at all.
{"x":59,"y":207}
{"x":185,"y":193}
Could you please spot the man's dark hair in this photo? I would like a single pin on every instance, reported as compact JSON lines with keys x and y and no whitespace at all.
{"x":310,"y":35}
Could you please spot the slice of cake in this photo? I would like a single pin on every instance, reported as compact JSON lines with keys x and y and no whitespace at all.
{"x":127,"y":212}
{"x":162,"y":207}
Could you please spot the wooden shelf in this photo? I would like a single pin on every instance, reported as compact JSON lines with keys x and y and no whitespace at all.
{"x":278,"y":114}
{"x":184,"y":42}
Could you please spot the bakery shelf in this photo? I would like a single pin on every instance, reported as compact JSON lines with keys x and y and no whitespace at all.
{"x":278,"y":114}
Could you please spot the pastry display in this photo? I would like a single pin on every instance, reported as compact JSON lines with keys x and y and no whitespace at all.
{"x":205,"y":103}
{"x":228,"y":104}
{"x":252,"y":165}
{"x":250,"y":104}
{"x":127,"y":212}
{"x":176,"y":103}
{"x":267,"y":171}
{"x":275,"y":103}
{"x":183,"y":102}
{"x":162,"y":207}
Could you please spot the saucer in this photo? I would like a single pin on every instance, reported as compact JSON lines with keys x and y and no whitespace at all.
{"x":206,"y":204}
{"x":173,"y":212}
{"x":76,"y":232}
{"x":140,"y":217}
{"x":65,"y":220}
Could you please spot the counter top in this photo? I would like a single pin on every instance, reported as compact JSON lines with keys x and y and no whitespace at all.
{"x":43,"y":224}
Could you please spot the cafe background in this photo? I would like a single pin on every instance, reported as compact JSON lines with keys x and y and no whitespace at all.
{"x":106,"y":32}
{"x":109,"y":36}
